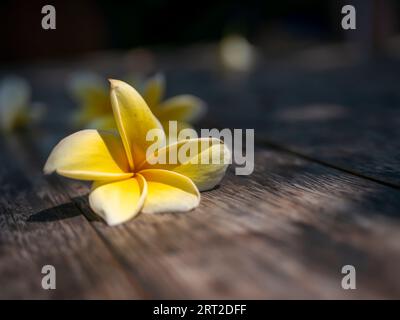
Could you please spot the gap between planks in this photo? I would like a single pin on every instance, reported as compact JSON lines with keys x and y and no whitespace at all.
{"x":264,"y":142}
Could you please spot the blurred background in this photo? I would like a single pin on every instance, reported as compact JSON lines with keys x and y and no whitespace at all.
{"x":287,"y":62}
{"x":89,"y":25}
{"x":284,"y":68}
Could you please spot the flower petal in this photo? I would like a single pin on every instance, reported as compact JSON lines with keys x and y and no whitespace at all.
{"x":134,"y":120}
{"x":169,"y":191}
{"x":80,"y":83}
{"x":91,"y":92}
{"x":183,"y":108}
{"x":89,"y":155}
{"x":172,"y":132}
{"x":119,"y":201}
{"x":15,"y":95}
{"x":154,"y":90}
{"x":106,"y":122}
{"x":205,"y":165}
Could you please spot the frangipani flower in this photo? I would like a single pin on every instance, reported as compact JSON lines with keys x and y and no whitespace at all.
{"x":126,"y":180}
{"x":16,"y":108}
{"x":96,"y":111}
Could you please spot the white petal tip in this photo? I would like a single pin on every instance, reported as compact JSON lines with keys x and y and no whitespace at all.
{"x":113,"y":83}
{"x":180,"y":209}
{"x":47,"y":169}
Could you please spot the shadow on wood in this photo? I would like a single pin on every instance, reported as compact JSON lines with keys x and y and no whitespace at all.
{"x":61,"y":212}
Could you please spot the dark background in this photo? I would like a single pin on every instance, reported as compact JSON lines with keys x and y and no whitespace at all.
{"x":88,"y":25}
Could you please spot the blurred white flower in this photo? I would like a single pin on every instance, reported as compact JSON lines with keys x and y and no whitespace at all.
{"x":237,"y":54}
{"x":16,"y":108}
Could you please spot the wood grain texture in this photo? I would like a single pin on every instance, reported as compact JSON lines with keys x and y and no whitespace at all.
{"x":283,"y":232}
{"x":322,"y":103}
{"x":40,"y":225}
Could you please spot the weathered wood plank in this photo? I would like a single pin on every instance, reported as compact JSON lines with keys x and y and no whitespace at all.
{"x":321,"y":103}
{"x":284,"y":232}
{"x":40,"y":225}
{"x":287,"y":230}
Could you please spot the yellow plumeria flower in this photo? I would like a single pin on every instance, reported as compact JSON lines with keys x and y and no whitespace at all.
{"x":16,"y":109}
{"x":126,"y":181}
{"x":96,"y":111}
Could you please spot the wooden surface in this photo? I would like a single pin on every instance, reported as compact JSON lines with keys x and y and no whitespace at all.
{"x":324,"y":194}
